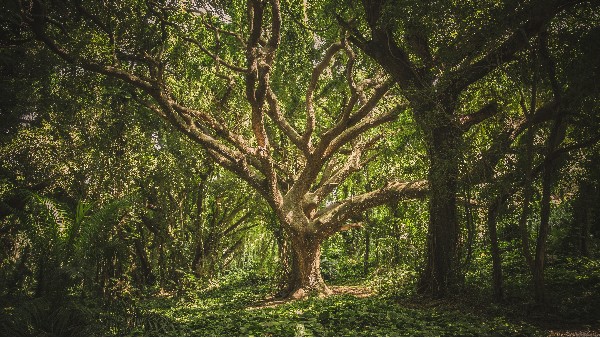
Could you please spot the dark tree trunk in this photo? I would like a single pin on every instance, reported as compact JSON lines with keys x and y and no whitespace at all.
{"x":583,"y":216}
{"x":492,"y":220}
{"x":440,"y":269}
{"x":304,"y":277}
{"x":586,"y":225}
{"x":556,"y":137}
{"x":525,"y":245}
{"x":527,"y":193}
{"x":367,"y":252}
{"x":470,"y":231}
{"x":540,"y":250}
{"x":147,"y":275}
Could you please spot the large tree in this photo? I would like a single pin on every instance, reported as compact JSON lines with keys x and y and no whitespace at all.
{"x":442,"y":54}
{"x":246,"y":83}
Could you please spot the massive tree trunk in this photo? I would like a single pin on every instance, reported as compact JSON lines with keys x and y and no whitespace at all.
{"x":440,"y":269}
{"x":285,"y":259}
{"x":304,"y":277}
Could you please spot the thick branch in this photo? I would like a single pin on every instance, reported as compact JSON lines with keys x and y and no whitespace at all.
{"x":345,"y":125}
{"x":487,"y":111}
{"x":483,"y":171}
{"x":316,"y":74}
{"x":331,"y":218}
{"x":352,"y":164}
{"x":281,"y":122}
{"x":540,"y":15}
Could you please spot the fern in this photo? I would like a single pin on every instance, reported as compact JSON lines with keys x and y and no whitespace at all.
{"x":53,"y":212}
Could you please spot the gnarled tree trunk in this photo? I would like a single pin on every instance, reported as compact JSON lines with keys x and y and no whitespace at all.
{"x":304,"y":277}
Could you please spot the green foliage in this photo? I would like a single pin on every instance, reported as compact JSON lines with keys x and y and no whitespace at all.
{"x":232,"y":309}
{"x":45,"y":317}
{"x":113,"y":222}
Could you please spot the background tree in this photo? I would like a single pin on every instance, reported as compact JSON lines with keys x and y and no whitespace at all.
{"x":438,"y":53}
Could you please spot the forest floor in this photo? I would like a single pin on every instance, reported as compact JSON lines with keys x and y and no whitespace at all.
{"x":359,"y":291}
{"x":242,"y":304}
{"x":245,"y":307}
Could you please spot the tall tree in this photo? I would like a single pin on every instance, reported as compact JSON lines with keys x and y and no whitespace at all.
{"x":438,"y":52}
{"x":216,"y":73}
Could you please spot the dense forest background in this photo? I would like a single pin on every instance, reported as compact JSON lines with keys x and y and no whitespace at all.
{"x":299,"y":168}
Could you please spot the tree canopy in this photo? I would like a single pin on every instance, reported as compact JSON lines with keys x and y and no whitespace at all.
{"x":169,"y":141}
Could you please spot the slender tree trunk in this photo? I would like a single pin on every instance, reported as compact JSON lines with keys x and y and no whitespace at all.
{"x":527,"y":194}
{"x":585,"y":233}
{"x":305,"y":277}
{"x":525,"y":245}
{"x":492,"y":220}
{"x":147,"y":275}
{"x":556,"y":137}
{"x":527,"y":163}
{"x":470,"y":231}
{"x":583,"y":216}
{"x":440,"y":268}
{"x":540,"y":250}
{"x":367,"y":252}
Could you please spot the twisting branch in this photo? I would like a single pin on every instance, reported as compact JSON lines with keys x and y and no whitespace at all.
{"x":259,"y":62}
{"x":483,"y":170}
{"x":541,"y":13}
{"x":233,"y":161}
{"x":37,"y":21}
{"x":352,"y":164}
{"x":218,"y":30}
{"x":332,"y":217}
{"x":348,"y":121}
{"x":487,"y":111}
{"x":316,"y":74}
{"x":354,"y":128}
{"x":183,"y":118}
{"x":213,"y":56}
{"x":275,"y":114}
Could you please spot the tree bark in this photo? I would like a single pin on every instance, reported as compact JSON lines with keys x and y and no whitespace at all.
{"x":584,"y":247}
{"x":492,"y":220}
{"x":285,"y":265}
{"x":440,"y":269}
{"x":367,"y":252}
{"x":147,"y":275}
{"x":525,"y":246}
{"x":583,"y":216}
{"x":470,"y":232}
{"x":540,"y":252}
{"x":304,"y":278}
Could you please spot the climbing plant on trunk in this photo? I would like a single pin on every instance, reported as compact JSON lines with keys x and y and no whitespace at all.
{"x":436,"y":52}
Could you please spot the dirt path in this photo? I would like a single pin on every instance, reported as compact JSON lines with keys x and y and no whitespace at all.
{"x":354,"y":290}
{"x":574,"y":333}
